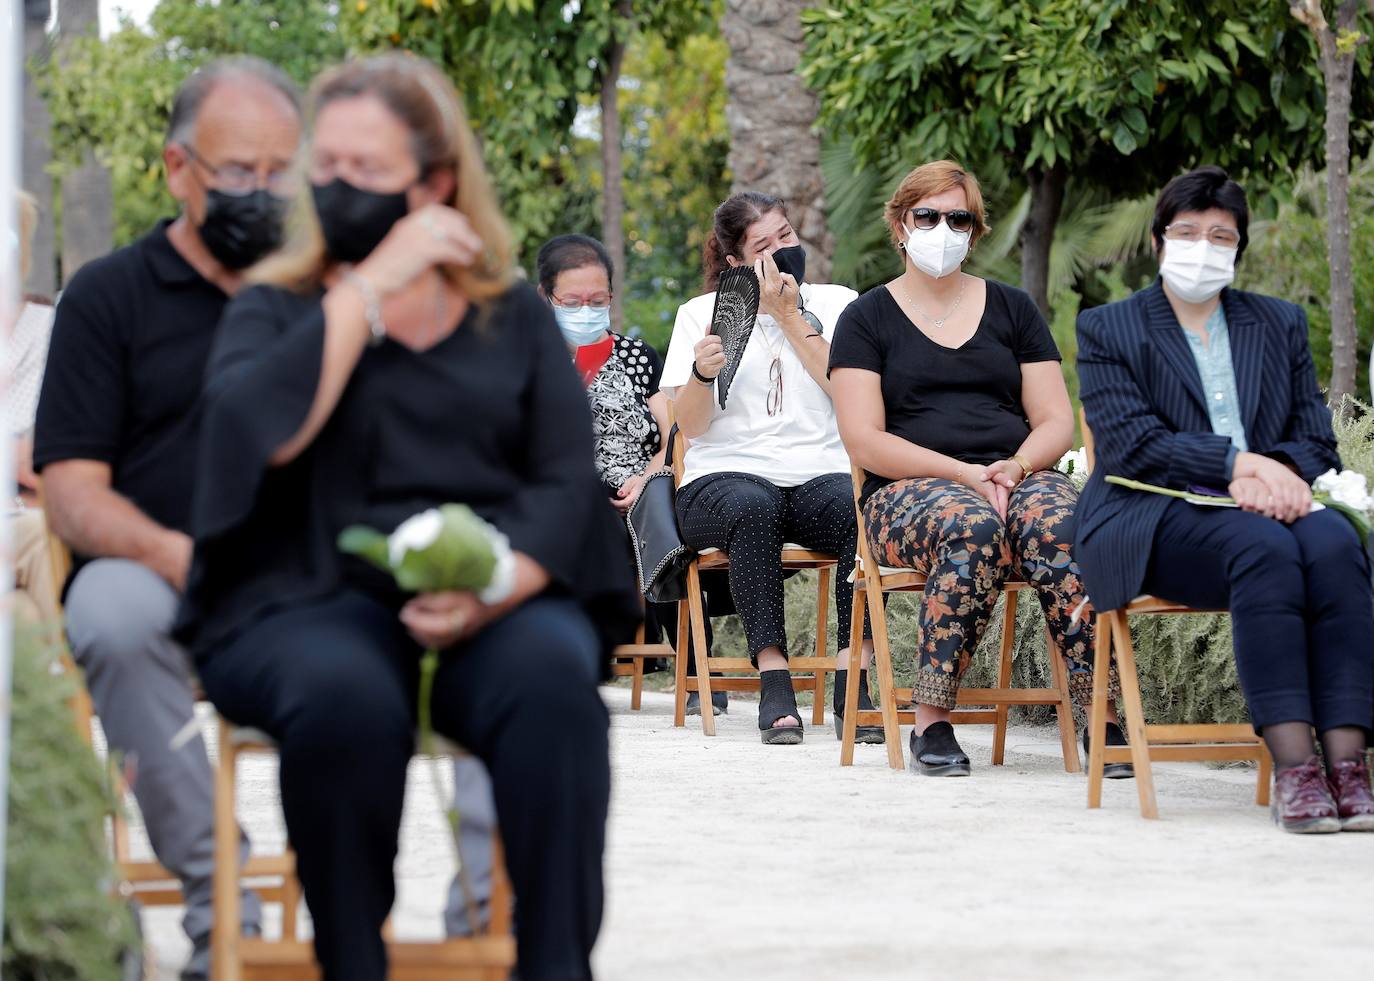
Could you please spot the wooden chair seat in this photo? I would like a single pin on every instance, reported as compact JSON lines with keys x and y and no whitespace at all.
{"x":1192,"y":742}
{"x":986,"y":706}
{"x":487,"y":957}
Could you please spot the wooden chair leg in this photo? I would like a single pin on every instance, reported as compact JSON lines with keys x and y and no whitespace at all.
{"x":999,"y":732}
{"x":849,"y":730}
{"x":1068,"y":736}
{"x":887,"y":683}
{"x":637,"y":684}
{"x":1264,"y":778}
{"x":291,"y":903}
{"x":684,"y":627}
{"x":700,"y":653}
{"x":227,"y":927}
{"x":1097,"y":713}
{"x":822,"y":630}
{"x":1135,"y":715}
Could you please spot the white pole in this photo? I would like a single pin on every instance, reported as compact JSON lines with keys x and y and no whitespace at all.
{"x":11,"y":295}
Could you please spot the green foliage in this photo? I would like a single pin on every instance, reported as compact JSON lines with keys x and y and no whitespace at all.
{"x":61,"y":922}
{"x":1124,"y":91}
{"x":114,"y":96}
{"x":1287,"y":258}
{"x":522,"y":68}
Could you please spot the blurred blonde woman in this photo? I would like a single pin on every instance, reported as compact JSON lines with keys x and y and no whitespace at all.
{"x":397,"y":364}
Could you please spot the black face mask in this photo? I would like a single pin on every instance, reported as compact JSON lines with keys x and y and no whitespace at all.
{"x":355,"y":221}
{"x":239,"y":229}
{"x":792,"y":260}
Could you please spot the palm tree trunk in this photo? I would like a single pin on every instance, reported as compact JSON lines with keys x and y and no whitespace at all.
{"x":774,"y":144}
{"x":87,"y":196}
{"x":37,"y":151}
{"x":612,"y":170}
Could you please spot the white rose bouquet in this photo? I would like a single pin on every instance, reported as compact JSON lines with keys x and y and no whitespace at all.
{"x":1346,"y":492}
{"x":444,"y":549}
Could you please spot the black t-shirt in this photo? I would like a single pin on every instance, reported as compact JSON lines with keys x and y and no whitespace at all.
{"x":624,"y":428}
{"x":964,"y":402}
{"x":130,"y":340}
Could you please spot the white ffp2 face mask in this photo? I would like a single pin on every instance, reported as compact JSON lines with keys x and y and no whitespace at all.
{"x":1197,"y":271}
{"x":937,"y":251}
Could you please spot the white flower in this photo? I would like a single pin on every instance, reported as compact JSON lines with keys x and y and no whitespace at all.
{"x":415,"y":534}
{"x":1074,"y":463}
{"x":1348,"y":487}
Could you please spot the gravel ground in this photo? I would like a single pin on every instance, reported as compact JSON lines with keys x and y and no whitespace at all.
{"x":731,"y":860}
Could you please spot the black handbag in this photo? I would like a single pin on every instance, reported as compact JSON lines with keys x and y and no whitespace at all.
{"x":661,"y":557}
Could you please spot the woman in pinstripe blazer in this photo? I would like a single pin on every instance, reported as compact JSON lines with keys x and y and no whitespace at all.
{"x":1189,"y":383}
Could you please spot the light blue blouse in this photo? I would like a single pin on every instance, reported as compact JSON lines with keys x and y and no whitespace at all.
{"x":1219,"y":378}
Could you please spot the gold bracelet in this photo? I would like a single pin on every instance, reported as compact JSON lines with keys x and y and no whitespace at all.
{"x":1021,"y":462}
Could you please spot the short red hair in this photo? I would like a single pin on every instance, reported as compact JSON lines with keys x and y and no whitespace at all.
{"x":930,"y":179}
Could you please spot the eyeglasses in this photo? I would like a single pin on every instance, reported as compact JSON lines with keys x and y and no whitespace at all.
{"x":959,"y":220}
{"x":599,"y":301}
{"x":238,"y":181}
{"x":774,"y":404}
{"x":1222,"y":236}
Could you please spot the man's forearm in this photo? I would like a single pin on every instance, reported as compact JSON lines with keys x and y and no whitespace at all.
{"x":97,"y":522}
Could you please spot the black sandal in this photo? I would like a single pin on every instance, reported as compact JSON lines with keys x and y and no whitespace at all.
{"x":777,"y":701}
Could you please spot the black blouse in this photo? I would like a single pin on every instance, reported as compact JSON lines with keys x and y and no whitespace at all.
{"x":493,"y":416}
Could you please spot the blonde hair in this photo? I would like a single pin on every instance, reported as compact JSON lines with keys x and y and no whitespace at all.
{"x":28,"y":223}
{"x":930,"y":179}
{"x":418,"y":94}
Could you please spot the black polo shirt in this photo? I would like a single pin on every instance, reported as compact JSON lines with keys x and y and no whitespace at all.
{"x":129,"y":345}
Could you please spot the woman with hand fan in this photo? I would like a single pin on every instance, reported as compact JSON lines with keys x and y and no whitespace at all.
{"x":746,"y":370}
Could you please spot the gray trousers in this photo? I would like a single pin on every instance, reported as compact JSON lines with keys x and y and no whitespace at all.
{"x":477,"y":820}
{"x":118,"y":617}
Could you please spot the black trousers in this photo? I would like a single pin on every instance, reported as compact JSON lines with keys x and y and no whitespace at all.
{"x":335,"y":682}
{"x":750,"y":519}
{"x":1302,"y":607}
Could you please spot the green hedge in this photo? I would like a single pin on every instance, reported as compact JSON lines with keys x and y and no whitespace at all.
{"x":61,"y":920}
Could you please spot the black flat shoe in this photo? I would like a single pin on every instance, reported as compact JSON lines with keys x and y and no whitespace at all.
{"x":720,"y":703}
{"x":1115,"y":737}
{"x":936,"y":753}
{"x":868,"y":735}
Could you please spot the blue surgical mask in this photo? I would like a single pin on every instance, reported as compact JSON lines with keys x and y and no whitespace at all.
{"x":583,"y":325}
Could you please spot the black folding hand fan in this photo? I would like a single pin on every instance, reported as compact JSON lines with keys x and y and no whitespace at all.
{"x":732,"y":320}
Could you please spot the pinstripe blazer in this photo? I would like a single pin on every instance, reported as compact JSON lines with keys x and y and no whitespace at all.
{"x":1143,"y":398}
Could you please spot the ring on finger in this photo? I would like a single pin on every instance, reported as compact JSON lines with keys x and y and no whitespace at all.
{"x":429,"y":224}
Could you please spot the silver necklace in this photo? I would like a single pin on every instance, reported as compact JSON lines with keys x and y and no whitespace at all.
{"x":940,"y":321}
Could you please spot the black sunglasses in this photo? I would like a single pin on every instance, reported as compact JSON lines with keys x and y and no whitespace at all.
{"x":960,"y":220}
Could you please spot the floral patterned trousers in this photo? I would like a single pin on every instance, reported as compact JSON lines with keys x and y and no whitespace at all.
{"x":952,"y":535}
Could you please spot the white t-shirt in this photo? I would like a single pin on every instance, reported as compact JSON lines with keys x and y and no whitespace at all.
{"x":798,"y":444}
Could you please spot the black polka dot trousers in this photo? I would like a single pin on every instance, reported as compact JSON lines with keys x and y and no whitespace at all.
{"x":750,"y":519}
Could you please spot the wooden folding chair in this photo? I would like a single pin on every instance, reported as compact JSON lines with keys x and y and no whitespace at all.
{"x":272,"y":876}
{"x":637,"y":653}
{"x":871,"y":581}
{"x":691,"y":616}
{"x":1203,"y":741}
{"x":489,"y":956}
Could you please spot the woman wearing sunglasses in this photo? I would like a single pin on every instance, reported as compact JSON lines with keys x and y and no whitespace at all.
{"x":949,"y":394}
{"x":769,"y":467}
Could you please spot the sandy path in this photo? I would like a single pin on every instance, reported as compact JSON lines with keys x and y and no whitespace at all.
{"x":731,"y":860}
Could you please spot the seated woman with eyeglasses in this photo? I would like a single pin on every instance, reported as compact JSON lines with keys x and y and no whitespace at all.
{"x":768,"y":468}
{"x":1192,"y":383}
{"x":950,"y":396}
